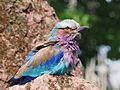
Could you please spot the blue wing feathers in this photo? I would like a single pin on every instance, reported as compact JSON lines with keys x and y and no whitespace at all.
{"x":40,"y":69}
{"x":31,"y":73}
{"x":31,"y":53}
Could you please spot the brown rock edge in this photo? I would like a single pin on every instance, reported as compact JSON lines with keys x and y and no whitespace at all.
{"x":50,"y":82}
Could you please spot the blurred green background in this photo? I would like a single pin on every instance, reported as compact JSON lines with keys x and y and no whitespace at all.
{"x":103,"y":19}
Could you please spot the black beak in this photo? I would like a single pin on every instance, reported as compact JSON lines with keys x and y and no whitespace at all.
{"x":82,"y":28}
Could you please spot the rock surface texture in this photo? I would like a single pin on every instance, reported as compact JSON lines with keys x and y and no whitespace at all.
{"x":23,"y":25}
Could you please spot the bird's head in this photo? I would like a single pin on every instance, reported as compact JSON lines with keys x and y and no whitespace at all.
{"x":66,"y":26}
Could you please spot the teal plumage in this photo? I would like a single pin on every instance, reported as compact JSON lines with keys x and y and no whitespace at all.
{"x":58,"y":55}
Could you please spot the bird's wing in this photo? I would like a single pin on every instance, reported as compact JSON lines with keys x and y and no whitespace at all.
{"x":45,"y":44}
{"x":41,"y":57}
{"x":37,"y":48}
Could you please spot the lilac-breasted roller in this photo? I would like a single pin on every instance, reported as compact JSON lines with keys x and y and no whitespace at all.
{"x":58,"y":55}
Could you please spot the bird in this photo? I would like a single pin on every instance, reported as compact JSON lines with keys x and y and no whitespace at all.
{"x":56,"y":56}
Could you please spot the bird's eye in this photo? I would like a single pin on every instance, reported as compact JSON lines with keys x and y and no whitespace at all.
{"x":67,"y":28}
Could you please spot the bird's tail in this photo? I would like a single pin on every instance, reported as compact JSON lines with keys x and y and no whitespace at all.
{"x":20,"y":81}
